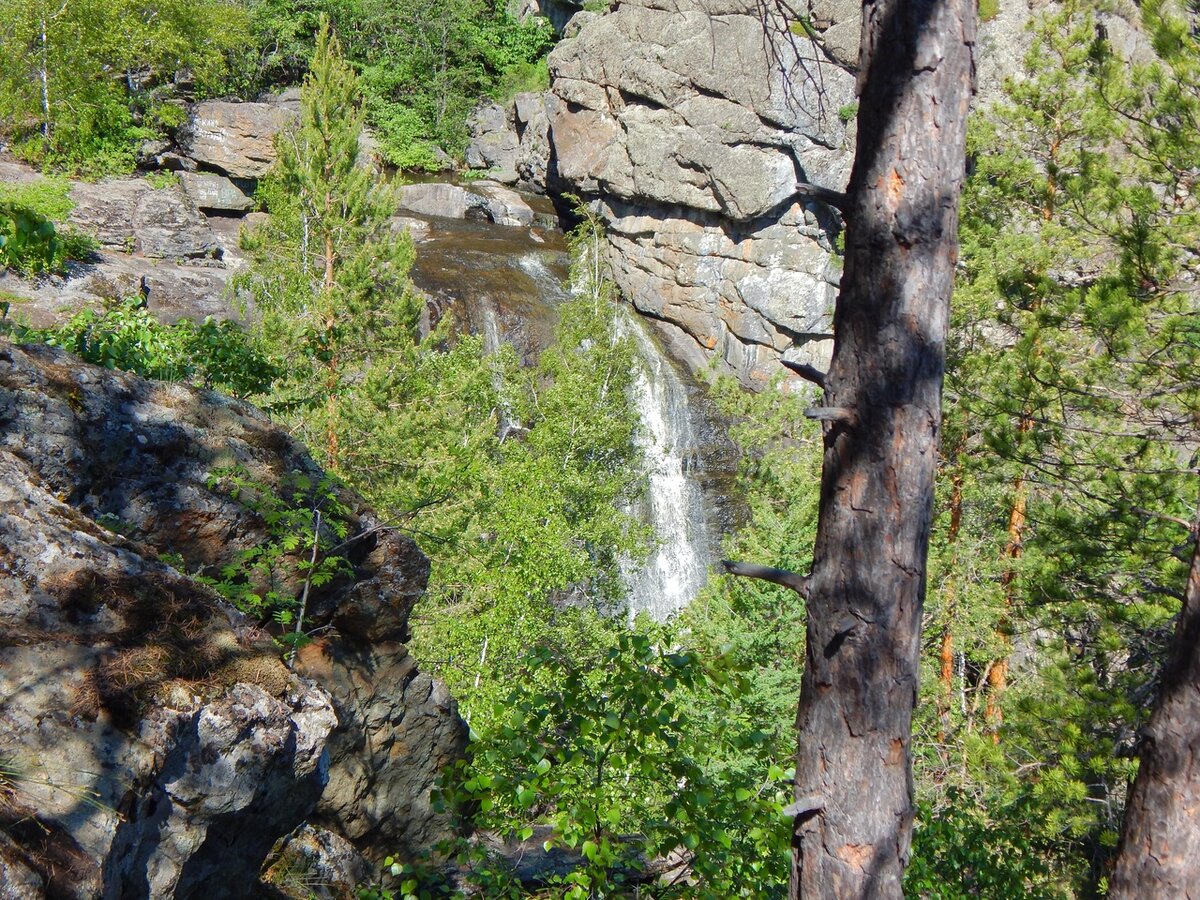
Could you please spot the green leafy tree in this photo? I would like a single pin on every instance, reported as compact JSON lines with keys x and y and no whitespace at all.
{"x":602,"y":748}
{"x":519,"y":480}
{"x":1073,"y":391}
{"x":81,"y":81}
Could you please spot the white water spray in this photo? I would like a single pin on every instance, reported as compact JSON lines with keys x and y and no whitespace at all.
{"x":673,"y":504}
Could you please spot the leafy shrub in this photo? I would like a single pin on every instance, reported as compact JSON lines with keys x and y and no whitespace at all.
{"x":30,"y":242}
{"x":522,"y":78}
{"x":960,"y":850}
{"x":601,"y":746}
{"x":306,"y":521}
{"x":218,"y":355}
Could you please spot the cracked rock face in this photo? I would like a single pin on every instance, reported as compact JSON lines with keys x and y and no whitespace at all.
{"x":153,"y":743}
{"x":693,"y":125}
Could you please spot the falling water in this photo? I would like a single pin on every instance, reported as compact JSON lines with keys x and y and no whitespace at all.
{"x":506,"y":284}
{"x":673,"y":504}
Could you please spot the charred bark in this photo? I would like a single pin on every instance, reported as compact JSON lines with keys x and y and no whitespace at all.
{"x":867,"y":584}
{"x":1159,"y":853}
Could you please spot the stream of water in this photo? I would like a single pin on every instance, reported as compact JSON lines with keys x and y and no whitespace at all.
{"x":506,"y":284}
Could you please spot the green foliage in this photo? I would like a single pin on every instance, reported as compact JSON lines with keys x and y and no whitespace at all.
{"x":1072,"y":389}
{"x":601,"y":747}
{"x":306,"y":522}
{"x":424,"y":65}
{"x":960,"y":850}
{"x":329,"y":275}
{"x":125,"y":335}
{"x":30,"y":242}
{"x":759,"y":625}
{"x":522,"y":77}
{"x":82,"y":82}
{"x":518,"y":480}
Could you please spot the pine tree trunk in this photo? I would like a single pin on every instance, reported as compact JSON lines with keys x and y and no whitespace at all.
{"x":997,"y":680}
{"x":1159,"y":853}
{"x":946,"y":652}
{"x":853,"y":808}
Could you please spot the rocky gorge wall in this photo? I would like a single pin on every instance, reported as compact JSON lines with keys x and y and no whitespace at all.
{"x":152,"y":742}
{"x":694,"y":128}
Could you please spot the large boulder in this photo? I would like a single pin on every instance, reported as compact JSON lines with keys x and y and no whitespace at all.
{"x":694,"y":128}
{"x":235,"y":139}
{"x":512,"y":143}
{"x":494,"y":143}
{"x":130,"y":214}
{"x":216,"y":193}
{"x":159,"y":745}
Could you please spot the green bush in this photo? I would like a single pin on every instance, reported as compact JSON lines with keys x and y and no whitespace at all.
{"x":218,"y":355}
{"x":30,"y":242}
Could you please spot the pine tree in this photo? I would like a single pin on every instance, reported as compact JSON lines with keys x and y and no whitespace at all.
{"x":330,"y":275}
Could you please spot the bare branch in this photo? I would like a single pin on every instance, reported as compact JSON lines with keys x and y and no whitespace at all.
{"x":798,"y":583}
{"x":831,"y":414}
{"x":805,"y":371}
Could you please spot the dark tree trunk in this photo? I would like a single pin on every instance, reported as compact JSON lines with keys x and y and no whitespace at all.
{"x":1159,"y":854}
{"x":854,"y":810}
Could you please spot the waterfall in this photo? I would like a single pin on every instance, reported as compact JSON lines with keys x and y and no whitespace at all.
{"x":673,"y":504}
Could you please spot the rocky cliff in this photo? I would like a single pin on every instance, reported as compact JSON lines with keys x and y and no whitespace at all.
{"x":152,"y":742}
{"x":695,"y":127}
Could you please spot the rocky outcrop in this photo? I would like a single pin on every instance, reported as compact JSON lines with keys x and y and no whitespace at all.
{"x":512,"y":143}
{"x":235,"y":139}
{"x":482,"y":200}
{"x":494,"y":143}
{"x":216,"y":193}
{"x":153,"y":743}
{"x":154,"y":244}
{"x":694,"y":129}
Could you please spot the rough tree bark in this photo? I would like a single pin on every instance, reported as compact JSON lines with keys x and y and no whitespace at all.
{"x":882,"y":411}
{"x":1159,"y":853}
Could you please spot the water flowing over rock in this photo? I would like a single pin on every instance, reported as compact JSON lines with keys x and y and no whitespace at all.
{"x":674,"y":503}
{"x":161,"y":746}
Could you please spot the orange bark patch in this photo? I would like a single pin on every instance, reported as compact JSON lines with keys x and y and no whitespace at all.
{"x":894,"y":188}
{"x":895,"y":752}
{"x":858,"y":855}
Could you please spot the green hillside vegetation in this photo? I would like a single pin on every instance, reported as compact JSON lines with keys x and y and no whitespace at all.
{"x":1067,"y":470}
{"x":84,"y":83}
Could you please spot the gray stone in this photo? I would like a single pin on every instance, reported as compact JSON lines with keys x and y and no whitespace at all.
{"x":418,"y":229}
{"x":129,"y":214}
{"x":494,"y":143}
{"x":236,"y":139}
{"x":693,"y":126}
{"x":214,"y":192}
{"x":838,"y":25}
{"x":167,"y":225}
{"x":17,"y":880}
{"x":105,"y":210}
{"x":437,"y":199}
{"x":504,"y":206}
{"x":533,"y":129}
{"x":167,"y":747}
{"x":171,"y":290}
{"x":388,"y":711}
